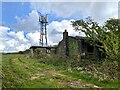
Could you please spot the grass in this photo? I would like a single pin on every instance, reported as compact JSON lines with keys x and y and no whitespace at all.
{"x":87,"y":78}
{"x":18,"y":71}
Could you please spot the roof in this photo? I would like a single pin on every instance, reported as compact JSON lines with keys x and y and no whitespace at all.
{"x":78,"y":37}
{"x":40,"y":47}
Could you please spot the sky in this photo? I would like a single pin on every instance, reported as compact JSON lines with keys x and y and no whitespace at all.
{"x":20,"y":26}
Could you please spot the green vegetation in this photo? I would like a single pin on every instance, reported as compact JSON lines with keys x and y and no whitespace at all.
{"x":73,"y":46}
{"x":52,"y":71}
{"x":104,"y":36}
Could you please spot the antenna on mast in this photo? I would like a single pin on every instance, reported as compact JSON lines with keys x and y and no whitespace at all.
{"x":43,"y":29}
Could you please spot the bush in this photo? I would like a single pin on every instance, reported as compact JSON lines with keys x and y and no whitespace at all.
{"x":104,"y":70}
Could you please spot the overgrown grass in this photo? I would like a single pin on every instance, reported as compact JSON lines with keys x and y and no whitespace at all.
{"x":94,"y":72}
{"x":87,"y":78}
{"x":17,"y":71}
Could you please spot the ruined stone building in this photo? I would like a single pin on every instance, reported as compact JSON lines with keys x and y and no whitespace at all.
{"x":68,"y":46}
{"x":74,"y":46}
{"x":38,"y":50}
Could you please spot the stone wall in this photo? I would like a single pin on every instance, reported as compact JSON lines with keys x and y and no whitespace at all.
{"x":61,"y":49}
{"x":38,"y":51}
{"x":63,"y":46}
{"x":75,"y":46}
{"x":35,"y":52}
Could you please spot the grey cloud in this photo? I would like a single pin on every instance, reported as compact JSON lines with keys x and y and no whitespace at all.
{"x":61,"y":9}
{"x":54,"y":31}
{"x":100,"y":11}
{"x":29,"y":24}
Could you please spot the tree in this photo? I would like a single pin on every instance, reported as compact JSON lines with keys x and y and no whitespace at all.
{"x":111,"y":42}
{"x":106,"y":35}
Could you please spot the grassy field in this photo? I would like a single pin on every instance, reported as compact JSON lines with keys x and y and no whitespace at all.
{"x":19,"y":71}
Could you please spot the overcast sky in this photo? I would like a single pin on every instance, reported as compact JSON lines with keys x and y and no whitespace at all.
{"x":20,"y":27}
